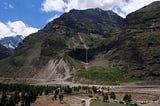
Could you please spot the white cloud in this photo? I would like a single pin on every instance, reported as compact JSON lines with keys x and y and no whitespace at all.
{"x":126,"y":7}
{"x":4,"y":30}
{"x":134,"y":5}
{"x":54,"y":17}
{"x":15,"y":28}
{"x":53,"y":5}
{"x":85,"y":4}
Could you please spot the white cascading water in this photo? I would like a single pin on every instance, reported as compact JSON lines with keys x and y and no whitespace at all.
{"x":86,"y":56}
{"x":86,"y":62}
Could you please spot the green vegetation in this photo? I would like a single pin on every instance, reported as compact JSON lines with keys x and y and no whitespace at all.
{"x":105,"y":98}
{"x":3,"y":99}
{"x":61,"y":97}
{"x":12,"y":94}
{"x":135,"y":49}
{"x":112,"y":95}
{"x":148,"y":12}
{"x":59,"y":37}
{"x":68,"y":90}
{"x":106,"y":75}
{"x":127,"y":98}
{"x":138,"y":48}
{"x":99,"y":103}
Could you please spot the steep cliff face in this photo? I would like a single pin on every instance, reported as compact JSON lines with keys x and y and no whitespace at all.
{"x":139,"y":49}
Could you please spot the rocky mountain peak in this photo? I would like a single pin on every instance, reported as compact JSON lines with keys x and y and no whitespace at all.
{"x":11,"y":42}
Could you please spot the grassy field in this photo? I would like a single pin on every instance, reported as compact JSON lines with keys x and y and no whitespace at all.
{"x":99,"y":103}
{"x":106,"y":75}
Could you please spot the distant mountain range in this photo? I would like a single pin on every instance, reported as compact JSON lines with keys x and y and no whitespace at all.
{"x":11,"y":42}
{"x":92,"y":37}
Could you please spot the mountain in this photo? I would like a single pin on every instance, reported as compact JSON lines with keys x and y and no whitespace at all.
{"x":4,"y":52}
{"x":11,"y":42}
{"x":101,"y":42}
{"x":88,"y":21}
{"x":51,"y":53}
{"x":138,"y":48}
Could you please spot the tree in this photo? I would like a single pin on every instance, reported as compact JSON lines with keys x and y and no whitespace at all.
{"x":99,"y":92}
{"x":94,"y":89}
{"x":105,"y":98}
{"x":76,"y":89}
{"x":68,"y":90}
{"x":61,"y":97}
{"x":127,"y":98}
{"x":32,"y":94}
{"x":11,"y":101}
{"x":113,"y":96}
{"x":108,"y":89}
{"x":16,"y":97}
{"x":57,"y":92}
{"x":3,"y":99}
{"x":47,"y":90}
{"x":22,"y":98}
{"x":55,"y":96}
{"x":27,"y":100}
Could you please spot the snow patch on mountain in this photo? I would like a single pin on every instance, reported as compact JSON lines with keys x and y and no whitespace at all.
{"x":11,"y":42}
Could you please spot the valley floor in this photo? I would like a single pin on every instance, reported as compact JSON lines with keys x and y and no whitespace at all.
{"x":69,"y":100}
{"x":144,"y":95}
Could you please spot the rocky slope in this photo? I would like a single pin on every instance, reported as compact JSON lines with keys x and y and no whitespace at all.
{"x":100,"y":38}
{"x":139,"y":46}
{"x":51,"y":53}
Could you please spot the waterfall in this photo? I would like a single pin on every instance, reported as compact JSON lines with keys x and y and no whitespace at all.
{"x":86,"y":61}
{"x":86,"y":54}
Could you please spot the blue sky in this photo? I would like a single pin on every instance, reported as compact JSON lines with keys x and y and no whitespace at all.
{"x":29,"y":11}
{"x":27,"y":16}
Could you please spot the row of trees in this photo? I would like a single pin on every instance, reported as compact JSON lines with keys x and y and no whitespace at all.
{"x":23,"y":94}
{"x":24,"y":98}
{"x":12,"y":100}
{"x":106,"y":96}
{"x":13,"y":94}
{"x":127,"y":98}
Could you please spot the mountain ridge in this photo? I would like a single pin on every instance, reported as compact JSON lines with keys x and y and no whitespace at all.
{"x":11,"y":42}
{"x":66,"y":45}
{"x":139,"y":52}
{"x":39,"y":52}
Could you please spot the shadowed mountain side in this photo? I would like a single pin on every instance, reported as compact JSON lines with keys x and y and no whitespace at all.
{"x":4,"y":52}
{"x":138,"y":52}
